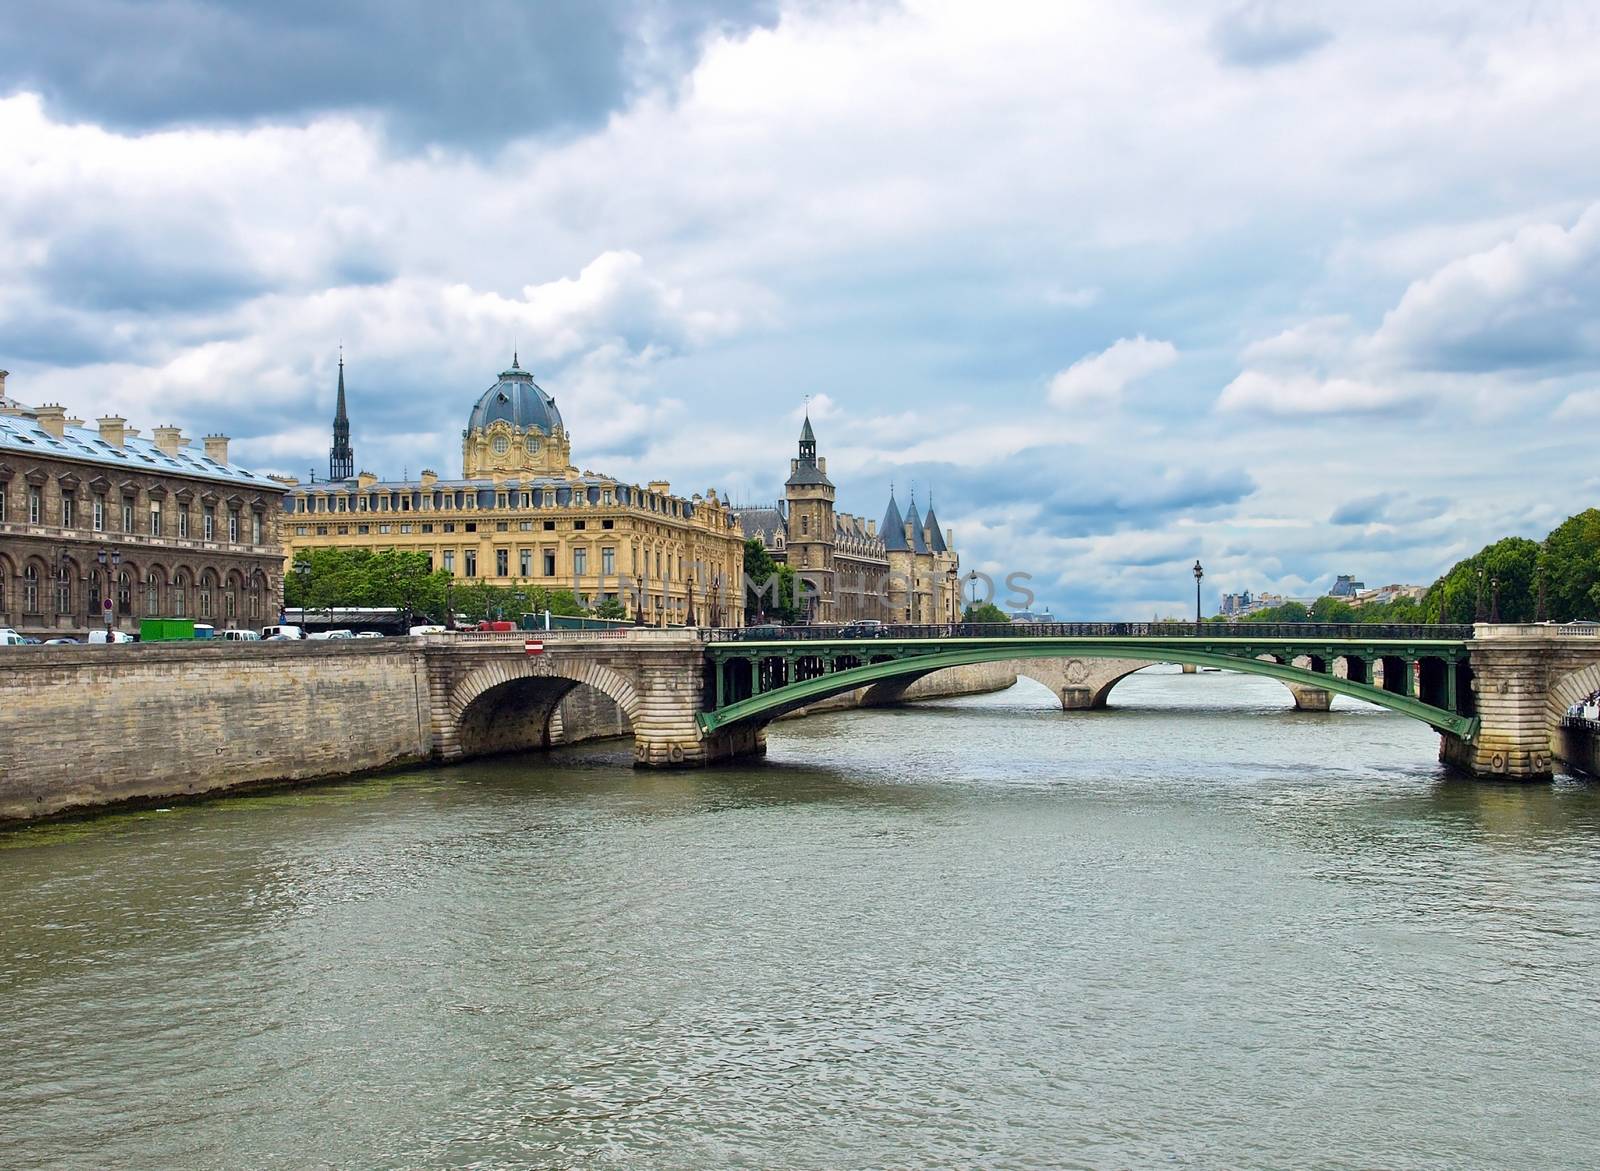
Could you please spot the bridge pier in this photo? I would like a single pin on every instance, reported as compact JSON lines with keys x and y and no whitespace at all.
{"x":1310,"y":699}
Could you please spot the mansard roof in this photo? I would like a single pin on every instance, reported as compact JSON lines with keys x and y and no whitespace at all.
{"x":24,"y":435}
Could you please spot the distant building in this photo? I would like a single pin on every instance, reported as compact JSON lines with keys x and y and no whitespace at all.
{"x":1346,"y":586}
{"x":1235,"y":604}
{"x":903,"y":570}
{"x":1030,"y":617}
{"x":1388,"y":593}
{"x":523,"y":515}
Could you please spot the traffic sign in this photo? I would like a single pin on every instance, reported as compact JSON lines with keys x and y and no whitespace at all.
{"x":533,"y":646}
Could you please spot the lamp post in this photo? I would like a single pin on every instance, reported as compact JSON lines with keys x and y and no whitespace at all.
{"x":1198,"y":574}
{"x":1494,"y":599}
{"x":109,"y":560}
{"x":302,"y":570}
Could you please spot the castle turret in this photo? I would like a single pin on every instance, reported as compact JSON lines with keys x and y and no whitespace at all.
{"x":810,"y":535}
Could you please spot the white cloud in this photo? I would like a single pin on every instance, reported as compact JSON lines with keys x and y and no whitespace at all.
{"x":1291,"y":396}
{"x":1102,"y":378}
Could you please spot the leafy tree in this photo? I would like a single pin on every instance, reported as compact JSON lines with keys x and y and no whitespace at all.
{"x":761,"y":573}
{"x":984,"y":612}
{"x":1326,"y":609}
{"x":1501,"y":576}
{"x":610,"y":608}
{"x":1288,"y":612}
{"x":1570,"y":565}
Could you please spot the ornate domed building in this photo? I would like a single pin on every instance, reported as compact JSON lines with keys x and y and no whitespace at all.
{"x":522,"y":514}
{"x":515,"y":430}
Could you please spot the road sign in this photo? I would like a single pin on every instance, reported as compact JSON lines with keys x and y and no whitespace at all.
{"x":533,"y":646}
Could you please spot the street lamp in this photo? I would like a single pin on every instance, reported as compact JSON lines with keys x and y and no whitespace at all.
{"x":1494,"y":599}
{"x":302,"y":570}
{"x":1198,"y":574}
{"x":108,"y":559}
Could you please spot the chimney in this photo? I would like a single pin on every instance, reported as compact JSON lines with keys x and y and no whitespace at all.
{"x":53,"y":418}
{"x":366,"y":479}
{"x":112,"y":429}
{"x":168,"y":439}
{"x":429,"y":477}
{"x":3,"y":374}
{"x":872,"y":528}
{"x":217,"y":448}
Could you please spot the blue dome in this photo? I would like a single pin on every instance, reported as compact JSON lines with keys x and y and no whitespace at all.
{"x":517,"y":399}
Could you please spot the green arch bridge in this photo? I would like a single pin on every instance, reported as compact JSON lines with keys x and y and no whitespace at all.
{"x":756,"y":674}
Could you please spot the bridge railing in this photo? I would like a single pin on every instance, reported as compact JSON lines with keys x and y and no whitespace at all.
{"x":1253,"y":631}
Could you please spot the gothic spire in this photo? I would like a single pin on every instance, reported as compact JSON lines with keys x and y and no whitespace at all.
{"x":341,"y":457}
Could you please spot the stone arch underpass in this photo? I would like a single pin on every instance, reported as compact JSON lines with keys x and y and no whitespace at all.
{"x":515,"y":704}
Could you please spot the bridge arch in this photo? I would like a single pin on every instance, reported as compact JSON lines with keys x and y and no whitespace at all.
{"x":761,"y":708}
{"x":513,"y":705}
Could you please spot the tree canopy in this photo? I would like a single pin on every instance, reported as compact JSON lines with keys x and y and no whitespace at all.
{"x":772,"y":587}
{"x":984,"y":612}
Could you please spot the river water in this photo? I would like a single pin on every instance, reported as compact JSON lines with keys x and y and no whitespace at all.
{"x":1200,"y":931}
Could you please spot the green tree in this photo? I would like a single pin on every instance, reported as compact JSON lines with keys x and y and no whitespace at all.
{"x":773,"y":588}
{"x":1502,"y":577}
{"x":1326,"y":609}
{"x":984,"y":612}
{"x":610,"y":608}
{"x":1570,"y":562}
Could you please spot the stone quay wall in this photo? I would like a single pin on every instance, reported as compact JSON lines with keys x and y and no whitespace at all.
{"x":86,"y":726}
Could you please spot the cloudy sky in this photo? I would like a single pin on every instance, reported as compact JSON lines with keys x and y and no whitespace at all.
{"x":1295,"y":288}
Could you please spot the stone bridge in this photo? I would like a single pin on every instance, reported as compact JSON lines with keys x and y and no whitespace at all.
{"x":84,"y":726}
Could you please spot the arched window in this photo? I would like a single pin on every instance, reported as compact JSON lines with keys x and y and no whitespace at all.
{"x":230,"y":602}
{"x":64,"y":589}
{"x":152,"y":595}
{"x":256,"y":588}
{"x":124,"y":593}
{"x":30,"y":589}
{"x":180,"y":601}
{"x":205,"y":595}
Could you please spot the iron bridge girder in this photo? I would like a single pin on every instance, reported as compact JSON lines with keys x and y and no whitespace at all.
{"x":922,"y":656}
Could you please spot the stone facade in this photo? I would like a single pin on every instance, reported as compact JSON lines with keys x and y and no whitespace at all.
{"x":151,"y":525}
{"x":904,"y":571}
{"x":522,"y":515}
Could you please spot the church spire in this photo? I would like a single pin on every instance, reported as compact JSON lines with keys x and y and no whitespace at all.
{"x":341,"y":458}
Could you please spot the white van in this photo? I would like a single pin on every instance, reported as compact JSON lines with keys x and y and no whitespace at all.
{"x":237,"y":636}
{"x":109,"y":636}
{"x":9,"y":637}
{"x":286,"y":631}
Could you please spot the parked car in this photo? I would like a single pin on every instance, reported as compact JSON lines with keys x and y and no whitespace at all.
{"x":279,"y":638}
{"x":238,"y":636}
{"x":288,"y":632}
{"x":60,"y":642}
{"x":427,"y":630}
{"x":9,"y":637}
{"x":768,"y":631}
{"x":103,"y":637}
{"x":865,"y":628}
{"x":327,"y":635}
{"x":368,"y":634}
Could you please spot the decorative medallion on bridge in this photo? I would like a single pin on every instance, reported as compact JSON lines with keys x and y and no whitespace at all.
{"x":1076,"y":670}
{"x":540,"y":665}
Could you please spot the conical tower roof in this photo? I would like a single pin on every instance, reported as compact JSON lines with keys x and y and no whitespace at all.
{"x":919,"y":542}
{"x":935,"y":536}
{"x":893,"y":529}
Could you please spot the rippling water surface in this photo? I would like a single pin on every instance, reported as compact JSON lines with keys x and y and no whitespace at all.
{"x":1197,"y":931}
